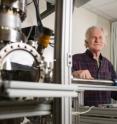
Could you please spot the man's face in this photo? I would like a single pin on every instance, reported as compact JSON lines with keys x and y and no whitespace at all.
{"x":96,"y":40}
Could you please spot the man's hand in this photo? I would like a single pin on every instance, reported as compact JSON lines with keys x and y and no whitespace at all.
{"x":83,"y":74}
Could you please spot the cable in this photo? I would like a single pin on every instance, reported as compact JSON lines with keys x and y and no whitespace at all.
{"x":39,"y":23}
{"x":29,"y":33}
{"x":28,"y":3}
{"x":51,"y":44}
{"x":79,"y":113}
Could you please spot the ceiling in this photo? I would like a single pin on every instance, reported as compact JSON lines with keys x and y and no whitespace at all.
{"x":105,"y":8}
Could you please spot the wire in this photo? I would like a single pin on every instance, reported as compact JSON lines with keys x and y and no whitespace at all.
{"x":29,"y":33}
{"x":39,"y":23}
{"x":79,"y":113}
{"x":28,"y":3}
{"x":51,"y":44}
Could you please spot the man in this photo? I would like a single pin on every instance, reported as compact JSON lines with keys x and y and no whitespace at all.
{"x":92,"y":65}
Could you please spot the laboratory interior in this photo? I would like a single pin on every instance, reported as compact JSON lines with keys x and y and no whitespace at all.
{"x":39,"y":40}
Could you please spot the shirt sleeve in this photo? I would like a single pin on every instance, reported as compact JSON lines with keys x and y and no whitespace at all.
{"x":75,"y":63}
{"x":113,"y":72}
{"x":114,"y":77}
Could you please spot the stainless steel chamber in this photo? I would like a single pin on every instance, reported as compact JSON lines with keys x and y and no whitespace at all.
{"x":12,"y":13}
{"x":18,"y":59}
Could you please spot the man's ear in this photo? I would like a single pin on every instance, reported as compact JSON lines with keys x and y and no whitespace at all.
{"x":86,"y":43}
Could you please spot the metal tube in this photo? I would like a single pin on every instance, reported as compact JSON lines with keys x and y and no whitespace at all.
{"x":92,"y":82}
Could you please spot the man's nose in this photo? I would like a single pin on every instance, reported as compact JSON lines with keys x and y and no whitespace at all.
{"x":97,"y":39}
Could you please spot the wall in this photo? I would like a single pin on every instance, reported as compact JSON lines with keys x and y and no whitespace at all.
{"x":82,"y":19}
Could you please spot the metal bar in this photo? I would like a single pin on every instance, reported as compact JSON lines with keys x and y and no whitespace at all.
{"x":37,"y":93}
{"x":32,"y":89}
{"x":65,"y":33}
{"x":41,"y":86}
{"x":93,"y":82}
{"x":98,"y":120}
{"x":101,"y":111}
{"x":100,"y":85}
{"x":100,"y":115}
{"x":26,"y":89}
{"x":16,"y":109}
{"x":17,"y":114}
{"x":83,"y":87}
{"x":47,"y":12}
{"x":62,"y":69}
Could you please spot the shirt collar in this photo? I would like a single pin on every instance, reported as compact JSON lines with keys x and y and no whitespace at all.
{"x":89,"y":53}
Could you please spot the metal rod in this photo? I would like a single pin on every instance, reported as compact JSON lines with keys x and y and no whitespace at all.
{"x":83,"y":87}
{"x":32,"y":89}
{"x":93,"y":82}
{"x":14,"y":109}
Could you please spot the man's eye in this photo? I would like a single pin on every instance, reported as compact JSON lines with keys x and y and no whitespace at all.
{"x":93,"y":38}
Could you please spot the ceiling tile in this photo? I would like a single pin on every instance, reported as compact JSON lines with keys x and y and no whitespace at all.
{"x":105,"y":8}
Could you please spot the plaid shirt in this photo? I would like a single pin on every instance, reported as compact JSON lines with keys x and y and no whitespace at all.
{"x":105,"y":70}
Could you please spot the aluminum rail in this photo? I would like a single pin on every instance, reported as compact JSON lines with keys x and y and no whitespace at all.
{"x":98,"y":85}
{"x":33,"y":89}
{"x":101,"y":111}
{"x":83,"y":87}
{"x":27,"y":92}
{"x":100,"y":115}
{"x":94,"y":82}
{"x":16,"y":109}
{"x":39,"y":90}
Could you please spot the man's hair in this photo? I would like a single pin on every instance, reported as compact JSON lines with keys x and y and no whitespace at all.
{"x":89,"y":30}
